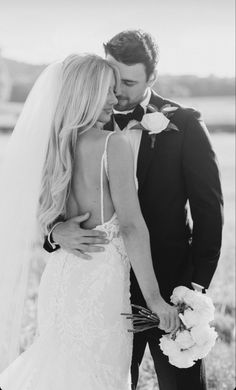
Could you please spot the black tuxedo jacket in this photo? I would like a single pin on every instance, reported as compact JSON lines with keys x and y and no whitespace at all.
{"x":181,"y":169}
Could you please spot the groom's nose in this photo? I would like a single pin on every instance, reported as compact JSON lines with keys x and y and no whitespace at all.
{"x":122,"y":91}
{"x":113,"y":99}
{"x":118,"y":91}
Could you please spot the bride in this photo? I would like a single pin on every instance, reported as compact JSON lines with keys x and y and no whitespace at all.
{"x":60,"y":161}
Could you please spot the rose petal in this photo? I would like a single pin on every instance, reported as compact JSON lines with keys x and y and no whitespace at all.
{"x":155,"y":122}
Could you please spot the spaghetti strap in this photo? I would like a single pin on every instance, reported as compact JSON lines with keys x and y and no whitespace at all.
{"x":104,"y":166}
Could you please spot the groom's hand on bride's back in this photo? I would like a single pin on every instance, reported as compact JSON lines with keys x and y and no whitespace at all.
{"x":74,"y":239}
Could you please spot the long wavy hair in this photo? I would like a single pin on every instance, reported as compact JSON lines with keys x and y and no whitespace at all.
{"x":85,"y":84}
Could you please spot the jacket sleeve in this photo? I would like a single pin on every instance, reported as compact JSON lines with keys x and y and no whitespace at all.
{"x":47,"y":245}
{"x":202,"y":180}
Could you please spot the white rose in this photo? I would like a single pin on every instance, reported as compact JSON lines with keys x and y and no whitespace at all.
{"x":182,"y":360}
{"x":203,"y":334}
{"x":191,"y":297}
{"x":168,"y":346}
{"x":184,"y":339}
{"x":177,"y":357}
{"x":206,"y":307}
{"x":190,"y":318}
{"x":155,"y":122}
{"x":206,"y":316}
{"x":178,"y":294}
{"x":201,"y":303}
{"x":201,"y":351}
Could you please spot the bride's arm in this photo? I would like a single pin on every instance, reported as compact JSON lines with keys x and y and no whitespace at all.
{"x":134,"y":229}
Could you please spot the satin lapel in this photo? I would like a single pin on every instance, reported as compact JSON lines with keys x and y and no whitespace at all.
{"x":145,"y":151}
{"x":144,"y":157}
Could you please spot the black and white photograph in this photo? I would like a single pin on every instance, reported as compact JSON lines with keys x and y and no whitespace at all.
{"x":117,"y":195}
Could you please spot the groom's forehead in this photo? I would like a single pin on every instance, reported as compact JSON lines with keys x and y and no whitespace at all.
{"x":133,"y":72}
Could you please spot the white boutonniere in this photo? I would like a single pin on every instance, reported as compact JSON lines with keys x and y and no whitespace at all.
{"x":156,"y":121}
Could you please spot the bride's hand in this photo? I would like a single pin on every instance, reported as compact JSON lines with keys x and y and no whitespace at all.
{"x":168,"y":315}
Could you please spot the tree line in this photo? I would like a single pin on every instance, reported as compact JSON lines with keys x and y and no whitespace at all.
{"x":23,"y":76}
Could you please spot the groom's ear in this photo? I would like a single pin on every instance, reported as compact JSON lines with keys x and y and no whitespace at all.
{"x":152,"y":78}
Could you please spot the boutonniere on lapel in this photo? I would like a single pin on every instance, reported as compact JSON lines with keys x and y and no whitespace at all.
{"x":156,"y":121}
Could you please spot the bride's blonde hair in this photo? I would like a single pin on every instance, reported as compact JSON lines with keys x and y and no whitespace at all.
{"x":85,"y":84}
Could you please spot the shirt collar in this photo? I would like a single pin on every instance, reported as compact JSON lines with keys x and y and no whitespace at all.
{"x":146,"y":100}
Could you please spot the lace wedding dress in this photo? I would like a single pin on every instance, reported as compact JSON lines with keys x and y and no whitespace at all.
{"x":83,"y":342}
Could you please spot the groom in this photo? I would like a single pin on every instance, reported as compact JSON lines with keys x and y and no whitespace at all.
{"x":174,"y":168}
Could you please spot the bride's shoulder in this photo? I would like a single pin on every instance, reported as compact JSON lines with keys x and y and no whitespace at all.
{"x":119,"y":141}
{"x":96,"y":141}
{"x":119,"y":148}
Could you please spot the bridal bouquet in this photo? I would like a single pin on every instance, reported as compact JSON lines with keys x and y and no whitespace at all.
{"x":195,"y":337}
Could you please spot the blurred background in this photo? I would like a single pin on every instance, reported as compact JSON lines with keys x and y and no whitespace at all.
{"x":197,"y":62}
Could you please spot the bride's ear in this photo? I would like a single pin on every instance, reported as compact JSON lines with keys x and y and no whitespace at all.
{"x":152,"y":78}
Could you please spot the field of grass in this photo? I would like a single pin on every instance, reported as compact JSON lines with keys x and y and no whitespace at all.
{"x":221,"y":360}
{"x":216,"y":110}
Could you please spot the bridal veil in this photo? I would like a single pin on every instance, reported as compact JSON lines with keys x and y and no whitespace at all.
{"x":20,"y":181}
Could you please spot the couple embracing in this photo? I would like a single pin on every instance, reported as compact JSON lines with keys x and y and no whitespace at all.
{"x":109,"y":199}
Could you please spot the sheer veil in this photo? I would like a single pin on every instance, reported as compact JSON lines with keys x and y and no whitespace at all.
{"x":20,"y":181}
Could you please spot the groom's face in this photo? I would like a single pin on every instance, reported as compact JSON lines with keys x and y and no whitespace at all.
{"x":133,"y":84}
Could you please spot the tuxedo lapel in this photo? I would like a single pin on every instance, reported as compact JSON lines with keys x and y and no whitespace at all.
{"x":144,"y":157}
{"x":145,"y":150}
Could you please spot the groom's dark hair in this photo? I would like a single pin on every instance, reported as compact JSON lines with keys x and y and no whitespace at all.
{"x":133,"y":47}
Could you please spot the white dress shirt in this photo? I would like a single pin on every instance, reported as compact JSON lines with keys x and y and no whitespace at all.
{"x":133,"y":135}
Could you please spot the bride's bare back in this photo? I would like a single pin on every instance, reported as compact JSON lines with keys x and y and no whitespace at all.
{"x":86,"y":179}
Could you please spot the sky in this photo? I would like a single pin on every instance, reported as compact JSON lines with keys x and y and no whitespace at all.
{"x":194,"y":36}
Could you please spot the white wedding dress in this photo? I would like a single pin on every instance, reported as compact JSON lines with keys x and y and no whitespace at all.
{"x":83,"y":341}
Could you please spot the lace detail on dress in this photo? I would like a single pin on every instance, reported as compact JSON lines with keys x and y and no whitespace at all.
{"x":113,"y":234}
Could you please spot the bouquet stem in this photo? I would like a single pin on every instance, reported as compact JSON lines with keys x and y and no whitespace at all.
{"x":145,"y":319}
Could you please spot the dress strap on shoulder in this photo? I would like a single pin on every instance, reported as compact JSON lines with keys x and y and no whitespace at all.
{"x":105,"y":154}
{"x":106,"y":141}
{"x":104,"y":166}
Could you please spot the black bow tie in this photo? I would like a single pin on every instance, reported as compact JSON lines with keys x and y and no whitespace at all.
{"x":123,"y":119}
